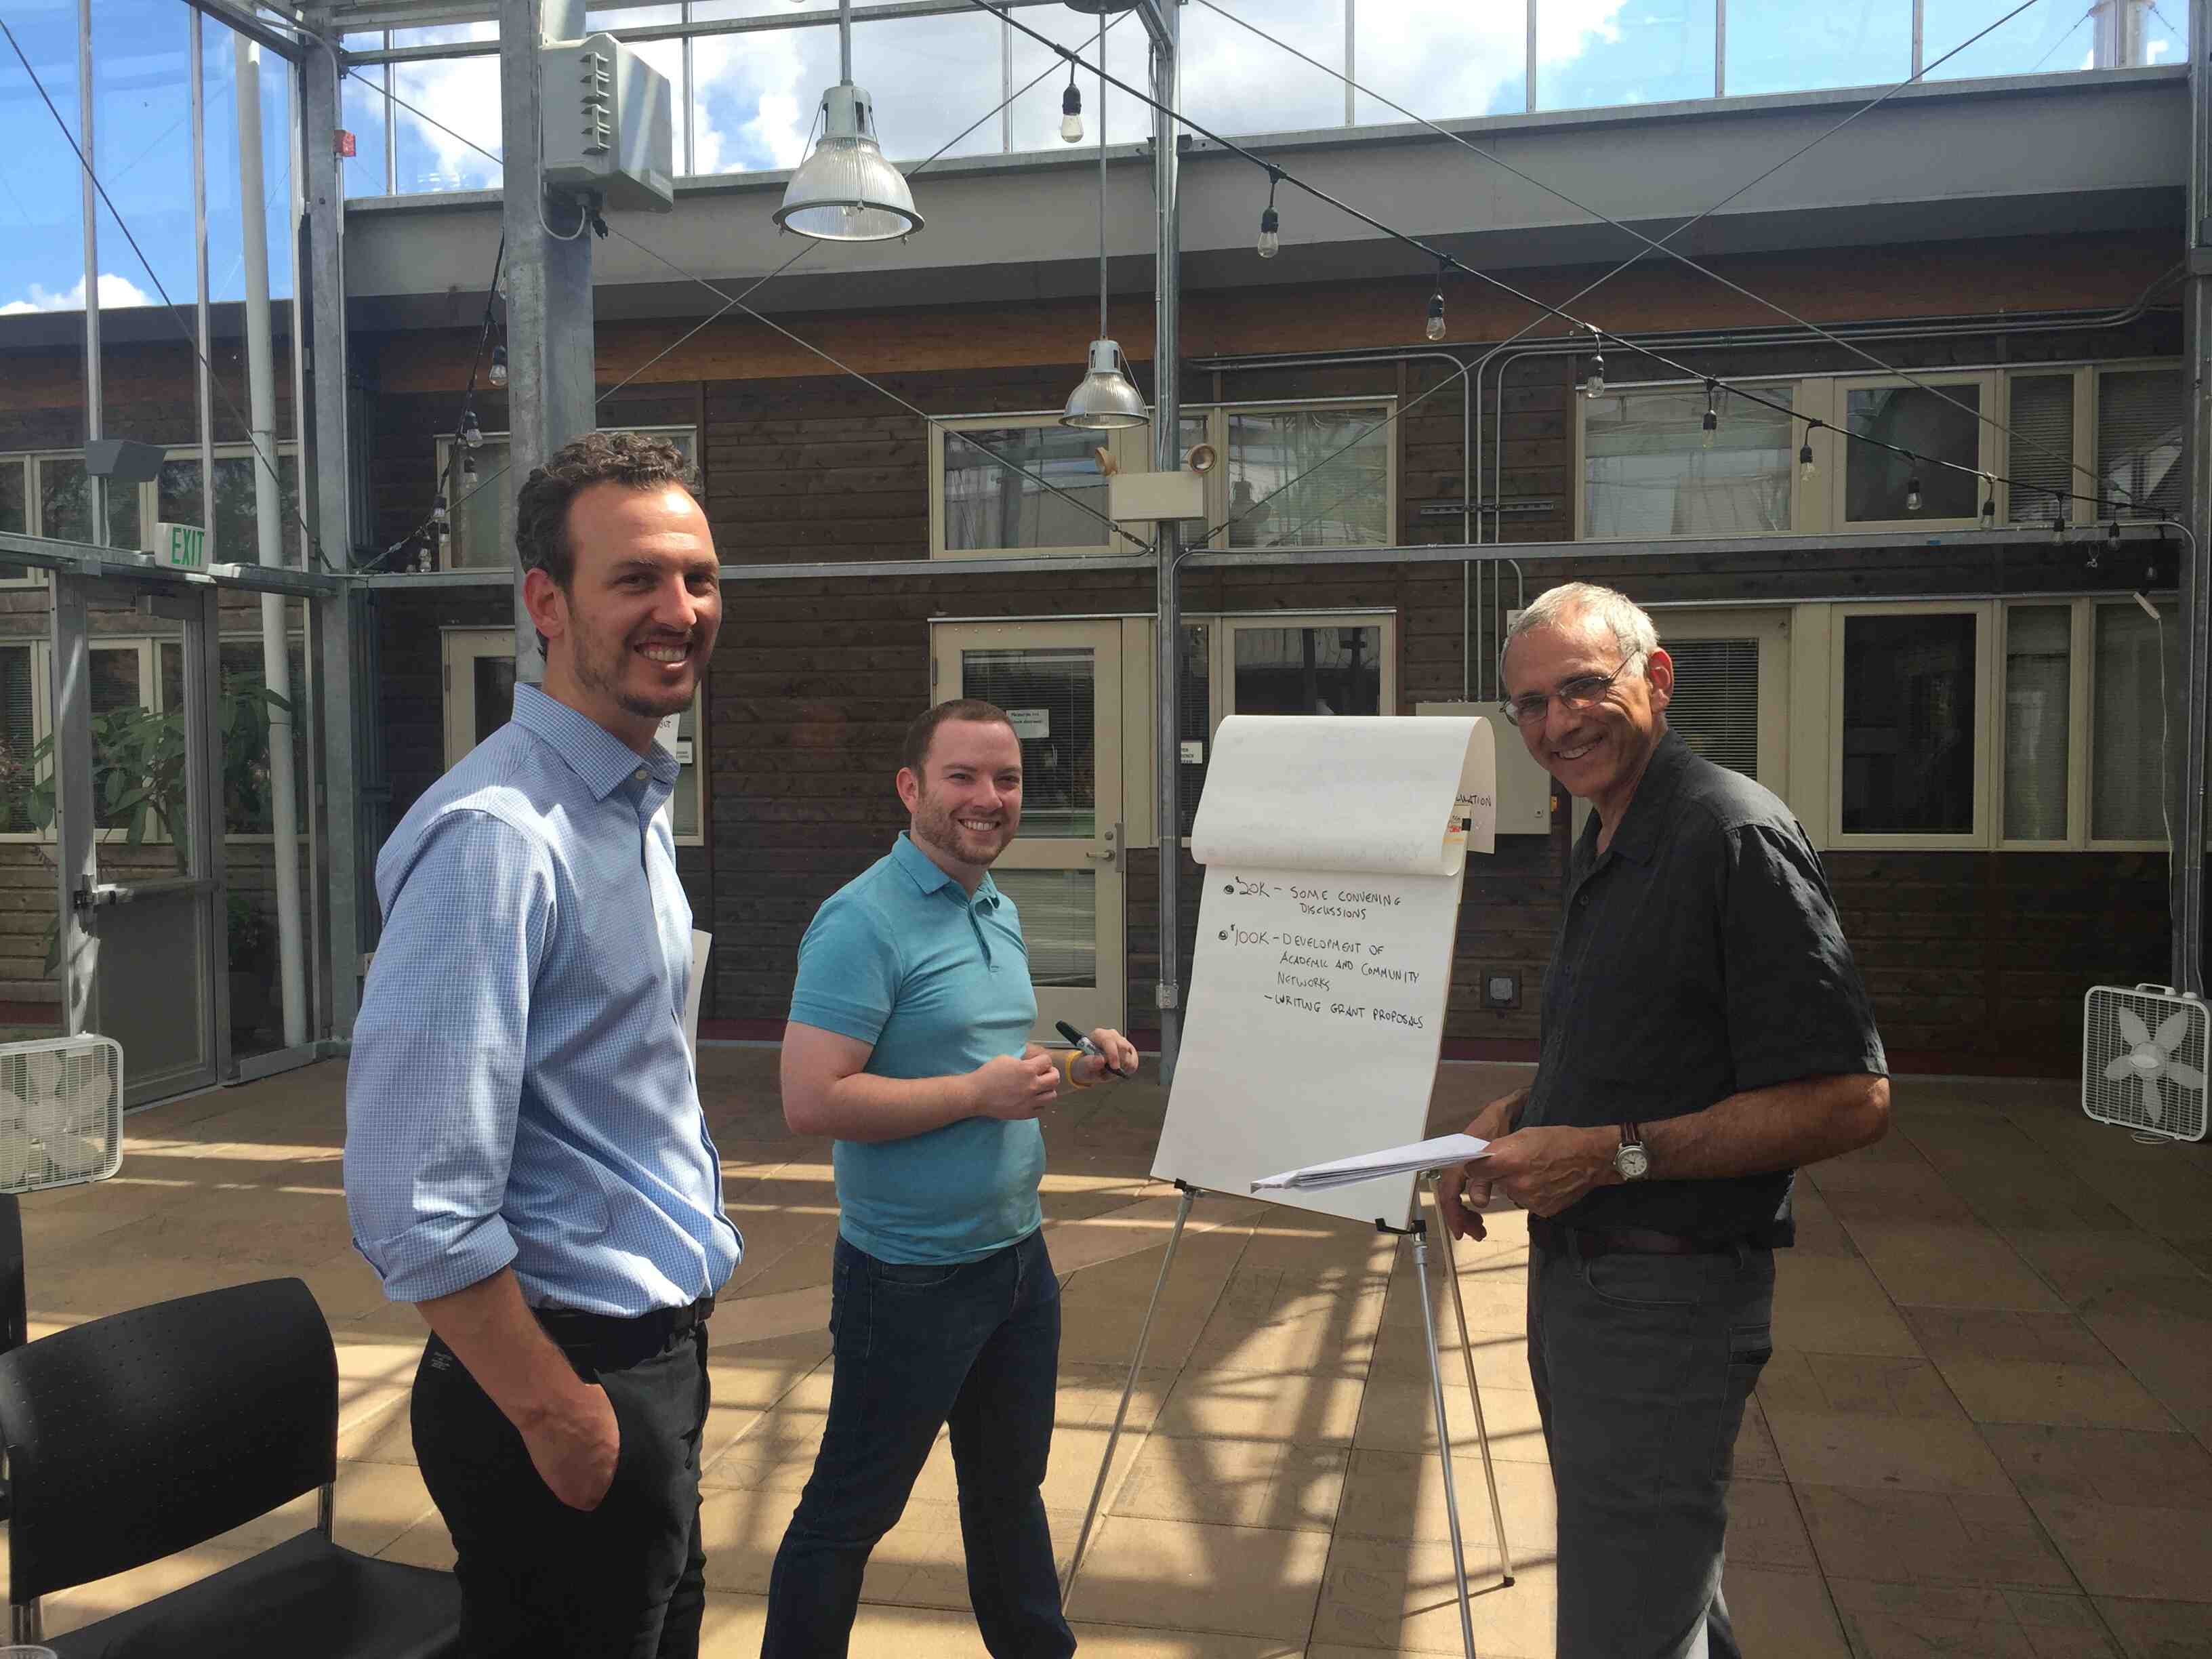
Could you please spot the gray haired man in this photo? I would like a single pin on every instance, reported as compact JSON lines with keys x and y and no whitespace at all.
{"x":1704,"y":1034}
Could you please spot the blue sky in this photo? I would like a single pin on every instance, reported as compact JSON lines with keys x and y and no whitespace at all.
{"x":930,"y":78}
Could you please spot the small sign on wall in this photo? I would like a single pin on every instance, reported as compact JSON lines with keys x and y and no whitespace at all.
{"x":180,"y":546}
{"x":1031,"y":724}
{"x":679,"y":747}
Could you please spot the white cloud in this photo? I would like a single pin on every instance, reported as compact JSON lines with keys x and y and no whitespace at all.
{"x":461,"y":93}
{"x":116,"y":293}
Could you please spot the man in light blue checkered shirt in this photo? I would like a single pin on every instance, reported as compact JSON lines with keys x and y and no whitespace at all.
{"x":526,"y":1161}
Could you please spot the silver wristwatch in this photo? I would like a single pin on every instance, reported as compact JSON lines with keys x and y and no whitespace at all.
{"x":1631,"y":1162}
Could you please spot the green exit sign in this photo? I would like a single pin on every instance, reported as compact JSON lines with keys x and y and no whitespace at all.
{"x":180,"y":546}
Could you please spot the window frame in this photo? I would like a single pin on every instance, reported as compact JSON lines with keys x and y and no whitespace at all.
{"x":2089,"y":393}
{"x":1978,"y":834}
{"x":1126,"y":456}
{"x":2086,"y":634}
{"x":2077,"y":728}
{"x":1985,"y":450}
{"x":1216,"y":483}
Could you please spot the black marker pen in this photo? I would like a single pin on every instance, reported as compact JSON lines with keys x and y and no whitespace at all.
{"x":1084,"y":1045}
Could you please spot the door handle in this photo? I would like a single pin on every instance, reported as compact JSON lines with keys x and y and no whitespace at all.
{"x":1113,"y":847}
{"x":1106,"y":857}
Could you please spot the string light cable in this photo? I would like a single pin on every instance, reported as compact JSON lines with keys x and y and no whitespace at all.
{"x":1664,"y":244}
{"x":310,"y":541}
{"x":733,"y":302}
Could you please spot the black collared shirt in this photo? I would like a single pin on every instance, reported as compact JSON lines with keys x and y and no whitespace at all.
{"x":1698,"y":957}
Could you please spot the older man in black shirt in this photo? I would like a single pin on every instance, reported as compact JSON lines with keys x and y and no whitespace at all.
{"x":1704,"y":1034}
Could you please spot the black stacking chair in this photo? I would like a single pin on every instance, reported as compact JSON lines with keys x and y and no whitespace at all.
{"x":133,"y":1437}
{"x":15,"y":1307}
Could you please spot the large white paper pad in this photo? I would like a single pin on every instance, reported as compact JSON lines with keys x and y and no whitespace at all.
{"x":1334,"y":851}
{"x":1440,"y":1153}
{"x":701,"y":944}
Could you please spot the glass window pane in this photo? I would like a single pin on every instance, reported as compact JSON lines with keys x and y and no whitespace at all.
{"x":2039,"y":652}
{"x":755,"y":95}
{"x":1308,"y":671}
{"x":990,"y":504}
{"x":1059,"y":911}
{"x":492,"y":678}
{"x":1236,"y":82}
{"x":1646,"y":471}
{"x":461,"y":94}
{"x":1944,"y":428}
{"x":248,"y":778}
{"x":2127,"y":775}
{"x":120,"y":719}
{"x":1643,"y":51}
{"x":41,"y":256}
{"x":366,"y":108}
{"x":1052,"y":695}
{"x":1782,"y":45}
{"x":482,"y":512}
{"x":2049,"y":36}
{"x":1714,"y":706}
{"x":1311,"y":477}
{"x":2042,"y":463}
{"x":930,"y":78}
{"x":15,"y":510}
{"x":65,"y":504}
{"x":1036,"y":116}
{"x":142,"y":147}
{"x":2142,"y":429}
{"x":1451,"y":62}
{"x":17,"y":738}
{"x":1908,"y":724}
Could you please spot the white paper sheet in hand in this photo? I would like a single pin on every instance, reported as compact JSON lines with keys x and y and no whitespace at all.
{"x":1439,"y":1153}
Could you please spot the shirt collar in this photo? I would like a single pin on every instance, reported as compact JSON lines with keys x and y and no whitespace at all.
{"x":1638,"y":835}
{"x":602,"y":760}
{"x":929,"y":878}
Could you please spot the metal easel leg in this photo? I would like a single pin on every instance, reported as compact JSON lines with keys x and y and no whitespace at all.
{"x":1420,"y":1232}
{"x":1121,"y":1412}
{"x":1475,"y":1393}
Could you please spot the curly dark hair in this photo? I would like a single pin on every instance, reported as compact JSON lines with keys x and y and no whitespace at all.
{"x":541,"y":511}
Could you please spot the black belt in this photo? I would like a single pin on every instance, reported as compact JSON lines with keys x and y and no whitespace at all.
{"x":658,"y":1325}
{"x":1625,"y":1241}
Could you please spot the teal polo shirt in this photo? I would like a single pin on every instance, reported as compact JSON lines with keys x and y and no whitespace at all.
{"x":937,"y":983}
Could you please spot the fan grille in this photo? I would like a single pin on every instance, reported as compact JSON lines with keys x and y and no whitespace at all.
{"x":61,"y":1112}
{"x":2121,"y":1101}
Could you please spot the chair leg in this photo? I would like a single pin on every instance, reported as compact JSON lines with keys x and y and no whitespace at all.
{"x":326,"y":1509}
{"x":24,"y":1623}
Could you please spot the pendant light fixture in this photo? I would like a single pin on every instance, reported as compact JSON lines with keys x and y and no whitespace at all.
{"x":846,"y":191}
{"x":1107,"y":399}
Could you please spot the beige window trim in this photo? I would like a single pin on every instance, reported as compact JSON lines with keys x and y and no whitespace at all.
{"x":1130,"y":449}
{"x":1979,"y":833}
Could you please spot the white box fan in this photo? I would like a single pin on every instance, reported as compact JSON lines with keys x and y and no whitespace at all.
{"x":61,"y":1112}
{"x":2143,"y":1058}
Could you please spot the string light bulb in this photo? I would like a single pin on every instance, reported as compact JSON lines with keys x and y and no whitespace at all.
{"x":468,"y":468}
{"x":1989,"y":502}
{"x":498,"y":375}
{"x":2112,"y":535}
{"x":1712,"y":415}
{"x":1071,"y":110}
{"x":1270,"y":222}
{"x":2057,"y":518}
{"x":1593,"y":385}
{"x":1913,"y":494}
{"x":1806,"y":468}
{"x":471,"y":434}
{"x":438,"y":516}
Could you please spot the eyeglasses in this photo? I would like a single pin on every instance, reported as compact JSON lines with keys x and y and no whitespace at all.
{"x":1583,"y":692}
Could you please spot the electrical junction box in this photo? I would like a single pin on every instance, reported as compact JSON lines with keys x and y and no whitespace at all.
{"x":1524,"y":788}
{"x":1152,"y":497}
{"x":608,"y":125}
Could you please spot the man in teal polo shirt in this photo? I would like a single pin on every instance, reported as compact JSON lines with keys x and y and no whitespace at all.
{"x":908,"y":1044}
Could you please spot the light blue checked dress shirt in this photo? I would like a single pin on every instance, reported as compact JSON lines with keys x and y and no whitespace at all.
{"x":521,"y":1091}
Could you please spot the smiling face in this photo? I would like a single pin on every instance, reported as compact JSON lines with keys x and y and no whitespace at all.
{"x":1599,"y":752}
{"x":629,"y":634}
{"x":966,"y":803}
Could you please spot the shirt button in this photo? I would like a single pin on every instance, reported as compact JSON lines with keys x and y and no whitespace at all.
{"x":640,"y":775}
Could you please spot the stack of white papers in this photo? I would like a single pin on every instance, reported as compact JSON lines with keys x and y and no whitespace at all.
{"x":1440,"y":1153}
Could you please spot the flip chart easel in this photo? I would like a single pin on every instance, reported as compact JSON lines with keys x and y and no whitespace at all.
{"x":1335,"y":849}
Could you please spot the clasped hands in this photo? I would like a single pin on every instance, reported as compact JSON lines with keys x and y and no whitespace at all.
{"x":1016,"y":1086}
{"x":1543,"y":1169}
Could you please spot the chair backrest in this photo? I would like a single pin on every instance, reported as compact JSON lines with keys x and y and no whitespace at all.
{"x":135,"y":1436}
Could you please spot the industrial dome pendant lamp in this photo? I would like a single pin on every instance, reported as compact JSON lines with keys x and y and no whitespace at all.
{"x":1107,"y":399}
{"x":846,"y":191}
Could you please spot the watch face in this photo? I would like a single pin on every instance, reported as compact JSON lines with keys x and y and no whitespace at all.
{"x":1632,"y":1163}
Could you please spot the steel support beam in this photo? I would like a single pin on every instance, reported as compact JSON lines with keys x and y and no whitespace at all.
{"x":241,"y":20}
{"x":551,"y":395}
{"x":1163,"y":22}
{"x":2187,"y":874}
{"x":331,"y":454}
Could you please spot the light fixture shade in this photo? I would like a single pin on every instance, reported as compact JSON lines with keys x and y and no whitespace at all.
{"x":846,"y":191}
{"x":1107,"y":399}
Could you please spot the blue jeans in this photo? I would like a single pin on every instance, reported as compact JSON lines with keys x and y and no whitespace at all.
{"x":1642,"y":1365}
{"x":976,"y":1344}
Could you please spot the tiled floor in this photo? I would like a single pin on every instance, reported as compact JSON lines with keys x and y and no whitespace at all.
{"x":1984,"y":1431}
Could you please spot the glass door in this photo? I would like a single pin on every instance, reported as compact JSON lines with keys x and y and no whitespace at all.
{"x":1061,"y":684}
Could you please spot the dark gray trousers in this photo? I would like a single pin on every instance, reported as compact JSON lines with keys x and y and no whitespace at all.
{"x":1642,"y":1365}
